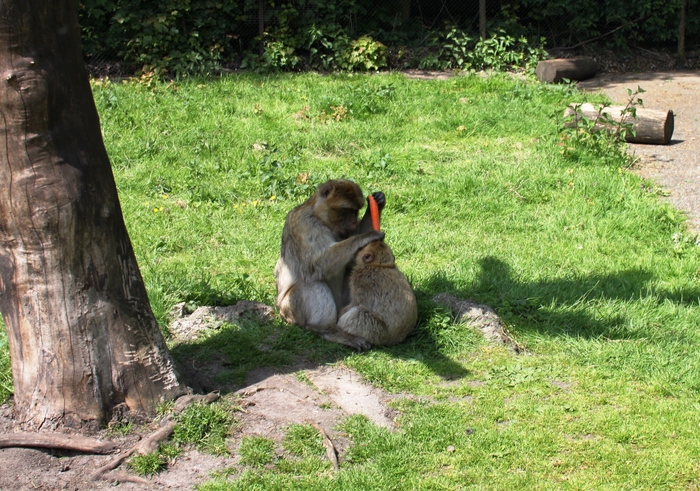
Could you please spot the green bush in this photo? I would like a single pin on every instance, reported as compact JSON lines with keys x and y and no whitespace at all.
{"x":180,"y":36}
{"x":186,"y":37}
{"x":458,"y":50}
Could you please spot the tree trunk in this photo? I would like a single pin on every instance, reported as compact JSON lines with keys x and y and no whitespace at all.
{"x":81,"y":332}
{"x":482,"y":19}
{"x":405,"y":10}
{"x":681,"y":33}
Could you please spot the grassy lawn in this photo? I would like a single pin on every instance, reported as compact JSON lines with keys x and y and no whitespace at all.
{"x":591,"y":272}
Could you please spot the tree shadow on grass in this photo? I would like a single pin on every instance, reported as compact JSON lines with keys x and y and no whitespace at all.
{"x":223,"y":360}
{"x":562,"y":307}
{"x":559,"y":307}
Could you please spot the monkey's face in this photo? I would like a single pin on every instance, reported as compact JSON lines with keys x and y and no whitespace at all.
{"x":337,"y":205}
{"x":376,"y":254}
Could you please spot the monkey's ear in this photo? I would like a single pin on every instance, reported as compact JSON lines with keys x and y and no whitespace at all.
{"x":368,"y":257}
{"x":326,"y":189}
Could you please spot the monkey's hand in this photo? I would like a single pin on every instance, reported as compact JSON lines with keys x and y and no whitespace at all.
{"x":375,"y":235}
{"x":380,"y":198}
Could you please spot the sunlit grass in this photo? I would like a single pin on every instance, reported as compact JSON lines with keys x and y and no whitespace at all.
{"x":592,"y":274}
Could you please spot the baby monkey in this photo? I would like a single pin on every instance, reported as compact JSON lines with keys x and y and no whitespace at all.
{"x":383,"y":307}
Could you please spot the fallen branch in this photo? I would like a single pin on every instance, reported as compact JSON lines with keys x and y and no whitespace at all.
{"x":331,"y":451}
{"x":60,"y":441}
{"x":111,"y":465}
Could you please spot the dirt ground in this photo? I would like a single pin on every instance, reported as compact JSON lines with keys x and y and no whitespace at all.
{"x":272,"y":400}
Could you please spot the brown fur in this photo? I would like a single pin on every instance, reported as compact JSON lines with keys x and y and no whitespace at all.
{"x":319,"y":240}
{"x":383,"y":307}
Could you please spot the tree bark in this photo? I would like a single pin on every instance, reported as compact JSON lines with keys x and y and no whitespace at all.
{"x":650,"y":125}
{"x":81,"y":332}
{"x":554,"y":71}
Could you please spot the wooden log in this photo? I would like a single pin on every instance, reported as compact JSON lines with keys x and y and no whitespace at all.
{"x":650,"y":125}
{"x":556,"y":70}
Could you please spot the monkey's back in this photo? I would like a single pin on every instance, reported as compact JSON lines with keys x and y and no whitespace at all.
{"x":387,"y":294}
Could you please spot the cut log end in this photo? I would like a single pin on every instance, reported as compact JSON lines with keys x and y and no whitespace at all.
{"x":556,"y":70}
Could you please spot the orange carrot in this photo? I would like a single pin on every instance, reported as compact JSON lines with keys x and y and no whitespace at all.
{"x":374,"y":212}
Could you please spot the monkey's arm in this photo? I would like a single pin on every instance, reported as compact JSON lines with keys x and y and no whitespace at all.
{"x":366,"y":222}
{"x":331,"y":262}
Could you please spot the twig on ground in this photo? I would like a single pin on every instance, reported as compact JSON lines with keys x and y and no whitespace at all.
{"x":331,"y":451}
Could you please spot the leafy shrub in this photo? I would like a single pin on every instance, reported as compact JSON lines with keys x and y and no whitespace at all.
{"x":326,"y":46}
{"x":364,"y":54}
{"x":184,"y":36}
{"x":457,"y":50}
{"x":180,"y":36}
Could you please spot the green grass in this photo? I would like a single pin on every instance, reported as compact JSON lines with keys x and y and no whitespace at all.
{"x":256,"y":451}
{"x":205,"y":426}
{"x":303,"y":440}
{"x":591,"y":272}
{"x":5,"y":368}
{"x":147,"y":465}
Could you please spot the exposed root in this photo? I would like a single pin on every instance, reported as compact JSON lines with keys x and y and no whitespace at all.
{"x":60,"y":441}
{"x":145,"y":446}
{"x":121,"y":477}
{"x":150,"y":443}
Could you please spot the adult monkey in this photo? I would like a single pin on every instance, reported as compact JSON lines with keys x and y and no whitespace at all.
{"x":319,"y":241}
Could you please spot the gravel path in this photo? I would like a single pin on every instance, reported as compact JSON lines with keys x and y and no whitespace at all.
{"x":676,"y":166}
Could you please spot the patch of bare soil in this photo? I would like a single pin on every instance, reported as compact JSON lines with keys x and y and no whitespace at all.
{"x":271,"y":401}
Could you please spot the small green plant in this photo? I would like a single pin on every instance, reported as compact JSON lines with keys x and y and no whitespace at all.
{"x":5,"y":367}
{"x":147,"y":465}
{"x":164,"y":408}
{"x":303,"y":441}
{"x":169,"y":451}
{"x":279,"y":56}
{"x":119,"y":428}
{"x":371,"y":99}
{"x":304,"y":378}
{"x":326,"y":46}
{"x":455,"y":51}
{"x":279,"y":175}
{"x":204,"y":426}
{"x":257,"y":451}
{"x":601,"y":133}
{"x":364,"y":54}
